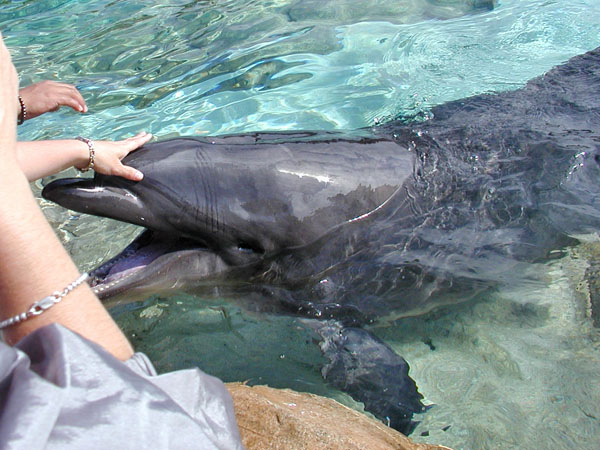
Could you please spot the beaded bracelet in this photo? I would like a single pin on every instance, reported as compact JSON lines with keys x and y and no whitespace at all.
{"x":90,"y":145}
{"x":23,"y":115}
{"x":46,"y":303}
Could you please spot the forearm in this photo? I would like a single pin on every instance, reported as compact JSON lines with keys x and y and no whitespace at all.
{"x":27,"y":239}
{"x":42,"y":158}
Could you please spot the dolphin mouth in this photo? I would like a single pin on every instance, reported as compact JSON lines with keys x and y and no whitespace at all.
{"x":139,"y":261}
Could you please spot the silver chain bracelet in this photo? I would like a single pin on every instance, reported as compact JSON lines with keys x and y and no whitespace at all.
{"x":46,"y":303}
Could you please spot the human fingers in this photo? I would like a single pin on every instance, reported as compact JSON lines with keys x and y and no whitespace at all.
{"x":136,"y":141}
{"x":69,"y":95}
{"x":131,"y":144}
{"x":127,"y":172}
{"x":110,"y":153}
{"x":122,"y":148}
{"x":48,"y":95}
{"x":107,"y":161}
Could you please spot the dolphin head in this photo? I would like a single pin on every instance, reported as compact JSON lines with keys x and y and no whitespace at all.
{"x":176,"y":196}
{"x":231,"y":201}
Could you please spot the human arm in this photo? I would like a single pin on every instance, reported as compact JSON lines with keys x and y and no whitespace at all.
{"x":46,"y":96}
{"x":38,"y":159}
{"x":43,"y":158}
{"x":33,"y":263}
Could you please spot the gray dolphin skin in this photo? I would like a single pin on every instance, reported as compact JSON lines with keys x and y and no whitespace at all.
{"x":352,"y":229}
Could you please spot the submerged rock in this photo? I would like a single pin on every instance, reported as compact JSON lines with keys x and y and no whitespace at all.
{"x":282,"y":418}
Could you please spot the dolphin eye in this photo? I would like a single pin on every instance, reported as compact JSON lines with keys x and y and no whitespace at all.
{"x":247,"y":247}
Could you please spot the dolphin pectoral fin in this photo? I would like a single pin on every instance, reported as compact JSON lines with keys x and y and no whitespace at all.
{"x":363,"y":366}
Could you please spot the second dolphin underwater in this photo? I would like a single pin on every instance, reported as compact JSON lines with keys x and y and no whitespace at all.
{"x":352,"y":229}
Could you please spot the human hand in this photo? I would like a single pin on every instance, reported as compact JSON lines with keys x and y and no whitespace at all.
{"x":45,"y":96}
{"x":108,"y":156}
{"x":9,"y":83}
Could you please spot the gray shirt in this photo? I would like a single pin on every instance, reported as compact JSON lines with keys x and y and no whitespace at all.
{"x":59,"y":390}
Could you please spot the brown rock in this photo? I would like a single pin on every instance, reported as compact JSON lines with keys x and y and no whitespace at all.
{"x":271,"y":418}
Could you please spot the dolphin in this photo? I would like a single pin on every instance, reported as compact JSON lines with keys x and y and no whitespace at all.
{"x":350,"y":229}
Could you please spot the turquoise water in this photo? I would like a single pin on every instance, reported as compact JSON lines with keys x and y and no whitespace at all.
{"x":517,"y":369}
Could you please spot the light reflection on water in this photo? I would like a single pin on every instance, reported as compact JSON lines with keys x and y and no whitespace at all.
{"x":514,"y":369}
